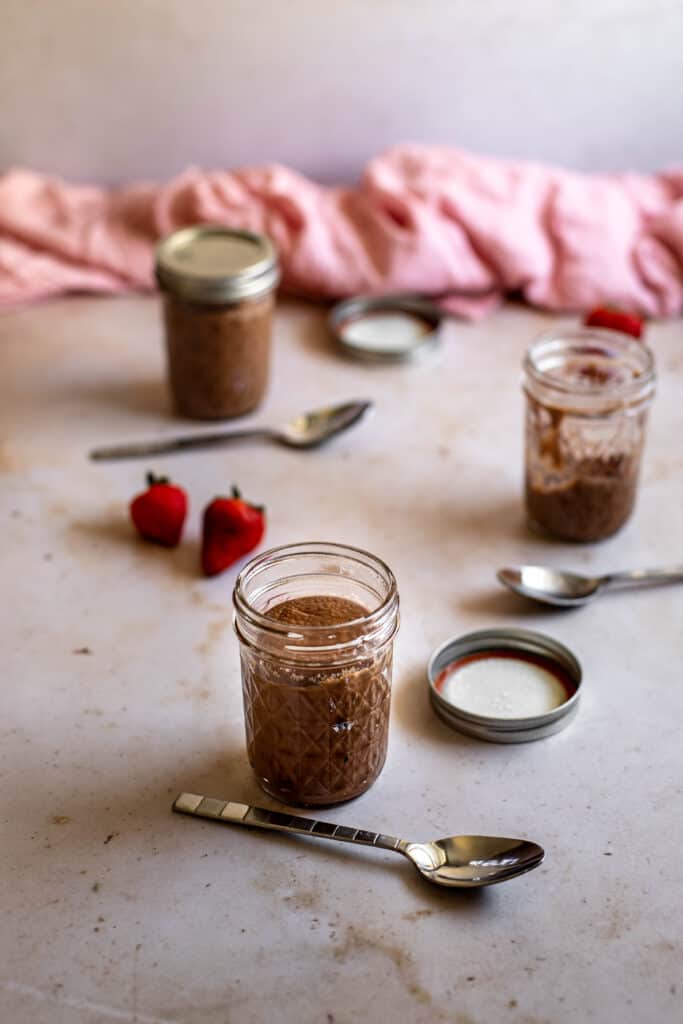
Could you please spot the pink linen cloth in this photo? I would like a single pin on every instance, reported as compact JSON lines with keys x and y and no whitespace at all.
{"x":465,"y":228}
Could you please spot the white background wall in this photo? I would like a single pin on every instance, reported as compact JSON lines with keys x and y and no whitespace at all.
{"x":118,"y":89}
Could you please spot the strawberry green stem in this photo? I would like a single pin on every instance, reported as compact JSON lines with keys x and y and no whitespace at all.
{"x":153,"y":480}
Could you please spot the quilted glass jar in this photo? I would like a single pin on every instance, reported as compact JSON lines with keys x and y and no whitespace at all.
{"x":316,"y":624}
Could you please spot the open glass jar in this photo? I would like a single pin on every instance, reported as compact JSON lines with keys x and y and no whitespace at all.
{"x":316,"y":624}
{"x":218,"y":295}
{"x":588,"y":392}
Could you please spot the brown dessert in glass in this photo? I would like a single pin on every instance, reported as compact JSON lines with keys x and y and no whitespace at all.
{"x":588,"y":393}
{"x":316,"y":669}
{"x":218,"y":296}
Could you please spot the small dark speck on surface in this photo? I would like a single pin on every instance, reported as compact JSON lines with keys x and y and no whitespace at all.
{"x":60,"y":819}
{"x":471,"y":977}
{"x":330,"y":1018}
{"x":414,"y":915}
{"x":607,"y":853}
{"x":82,"y":650}
{"x":112,"y":835}
{"x":512,"y":1003}
{"x":95,"y":887}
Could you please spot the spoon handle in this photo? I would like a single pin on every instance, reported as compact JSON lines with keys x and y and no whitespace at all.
{"x":141,"y":449}
{"x":244,"y":814}
{"x":643,"y":577}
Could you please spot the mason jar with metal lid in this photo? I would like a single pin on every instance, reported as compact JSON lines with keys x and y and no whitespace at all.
{"x":588,"y":394}
{"x":218,"y":293}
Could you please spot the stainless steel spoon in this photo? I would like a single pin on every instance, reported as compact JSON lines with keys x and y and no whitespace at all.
{"x":308,"y":430}
{"x":569,"y":589}
{"x":459,"y":861}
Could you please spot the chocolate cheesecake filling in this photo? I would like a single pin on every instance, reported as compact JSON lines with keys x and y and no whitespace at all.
{"x":577,"y":489}
{"x":218,"y":356}
{"x":317,"y":733}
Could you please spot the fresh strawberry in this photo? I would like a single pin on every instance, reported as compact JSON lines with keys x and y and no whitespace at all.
{"x":231,"y":528}
{"x":615,"y":320}
{"x":159,"y":512}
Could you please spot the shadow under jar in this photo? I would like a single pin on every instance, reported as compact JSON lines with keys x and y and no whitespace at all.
{"x":588,"y":393}
{"x":218,"y":295}
{"x":316,"y":624}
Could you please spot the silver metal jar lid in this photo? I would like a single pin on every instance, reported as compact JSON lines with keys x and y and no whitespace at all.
{"x":216,"y":265}
{"x":526,"y":644}
{"x":386,"y":328}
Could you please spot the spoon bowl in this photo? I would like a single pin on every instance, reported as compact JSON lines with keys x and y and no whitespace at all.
{"x":571,"y":589}
{"x":473,"y":861}
{"x":464,"y":862}
{"x":552,"y":586}
{"x":314,"y":428}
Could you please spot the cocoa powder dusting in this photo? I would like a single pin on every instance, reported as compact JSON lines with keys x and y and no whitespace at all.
{"x":320,"y":610}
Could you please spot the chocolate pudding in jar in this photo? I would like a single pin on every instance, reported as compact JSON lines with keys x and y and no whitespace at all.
{"x":588,"y":395}
{"x":316,"y":624}
{"x":218,"y":296}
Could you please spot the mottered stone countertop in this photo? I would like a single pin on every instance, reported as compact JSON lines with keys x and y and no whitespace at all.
{"x":120,"y":687}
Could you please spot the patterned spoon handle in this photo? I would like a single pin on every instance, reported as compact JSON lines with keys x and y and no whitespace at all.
{"x":244,"y":814}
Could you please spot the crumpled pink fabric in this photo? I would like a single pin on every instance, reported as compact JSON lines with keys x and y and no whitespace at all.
{"x":465,"y":228}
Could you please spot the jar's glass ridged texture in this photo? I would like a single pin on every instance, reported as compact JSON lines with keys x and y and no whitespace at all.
{"x":588,"y":393}
{"x":316,"y":695}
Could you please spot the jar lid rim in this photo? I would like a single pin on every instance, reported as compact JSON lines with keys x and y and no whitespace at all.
{"x":214,"y":264}
{"x":493,"y":641}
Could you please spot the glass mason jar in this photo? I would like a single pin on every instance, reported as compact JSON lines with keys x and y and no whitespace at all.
{"x":218,"y":297}
{"x":588,"y":393}
{"x":316,"y":625}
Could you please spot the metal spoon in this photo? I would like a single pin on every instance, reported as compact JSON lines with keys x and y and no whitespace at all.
{"x":569,"y":589}
{"x":459,"y":861}
{"x":306,"y":431}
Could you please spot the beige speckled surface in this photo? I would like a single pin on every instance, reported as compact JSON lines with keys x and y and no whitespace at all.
{"x":116,"y":910}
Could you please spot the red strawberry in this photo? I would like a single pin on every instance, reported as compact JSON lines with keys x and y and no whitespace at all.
{"x":231,"y":528}
{"x":615,"y":320}
{"x":159,"y":512}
